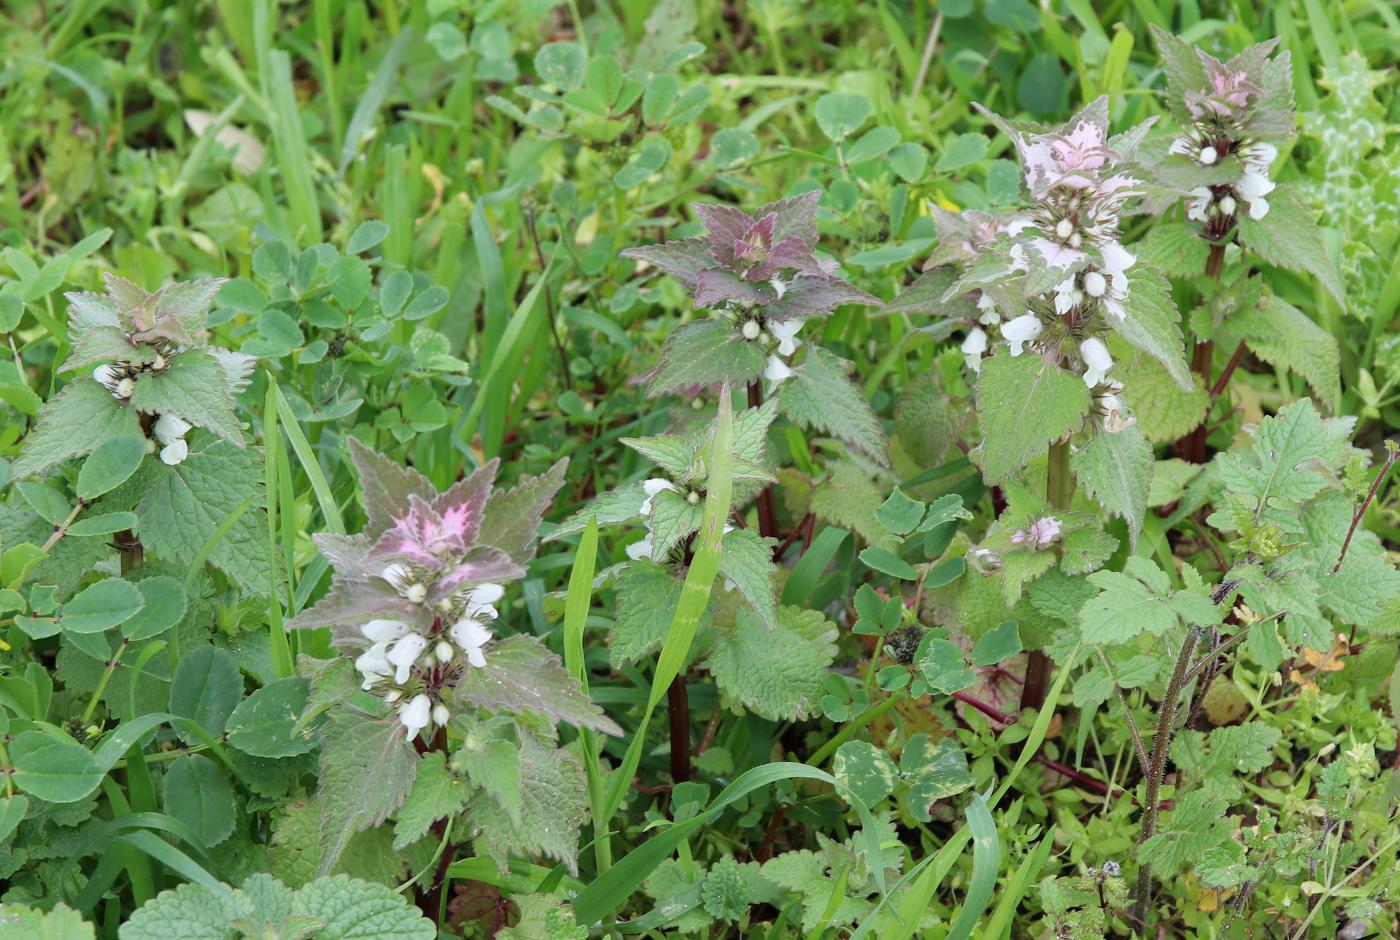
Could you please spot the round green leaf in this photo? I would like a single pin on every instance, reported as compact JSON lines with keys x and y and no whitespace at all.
{"x":165,"y":606}
{"x":53,"y":769}
{"x":110,"y":465}
{"x":366,"y":236}
{"x":262,"y":724}
{"x":101,"y":606}
{"x":840,"y":114}
{"x":562,"y":64}
{"x":733,"y":145}
{"x":105,"y":524}
{"x":206,"y":689}
{"x":964,"y":150}
{"x":199,"y":795}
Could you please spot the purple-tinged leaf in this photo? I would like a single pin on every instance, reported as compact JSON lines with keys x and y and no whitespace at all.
{"x":717,"y":286}
{"x":512,"y":517}
{"x":683,"y":258}
{"x":522,"y":675}
{"x":385,"y":487}
{"x":817,"y":296}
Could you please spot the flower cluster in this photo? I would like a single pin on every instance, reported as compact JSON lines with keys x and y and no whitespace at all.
{"x":1056,"y":272}
{"x":1038,"y":534}
{"x":1229,"y":112}
{"x":414,"y":597}
{"x":760,"y":272}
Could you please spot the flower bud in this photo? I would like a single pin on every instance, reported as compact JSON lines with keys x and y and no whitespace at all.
{"x":1064,"y":228}
{"x":441,"y":714}
{"x":692,"y":497}
{"x":443,"y":651}
{"x":1076,"y":240}
{"x":1094,"y":284}
{"x":392,"y":696}
{"x":124,"y":388}
{"x":416,"y":592}
{"x":1228,"y":205}
{"x":750,"y":329}
{"x":1209,"y":155}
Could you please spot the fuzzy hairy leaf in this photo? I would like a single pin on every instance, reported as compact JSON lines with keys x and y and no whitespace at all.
{"x":1153,"y":324}
{"x":195,"y":388}
{"x":609,"y":508}
{"x":647,"y":596}
{"x":1284,"y":336}
{"x":775,"y":672}
{"x":927,"y":421}
{"x":705,"y":354}
{"x":821,"y":396}
{"x":746,"y":560}
{"x":1278,"y":471}
{"x":522,"y":675}
{"x":553,"y":807}
{"x":436,"y":794}
{"x":1289,"y":237}
{"x":1163,"y":411}
{"x":512,"y":517}
{"x":683,"y":258}
{"x":385,"y":487}
{"x":1115,"y":468}
{"x":367,"y":771}
{"x":72,"y":424}
{"x":1024,"y":404}
{"x":1173,"y":248}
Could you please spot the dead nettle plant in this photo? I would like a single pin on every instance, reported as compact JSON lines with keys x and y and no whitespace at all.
{"x":434,"y":717}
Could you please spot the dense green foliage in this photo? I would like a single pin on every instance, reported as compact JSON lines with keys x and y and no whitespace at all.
{"x":676,"y":468}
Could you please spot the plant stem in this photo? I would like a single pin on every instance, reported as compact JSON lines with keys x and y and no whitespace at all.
{"x":1059,"y":490}
{"x":62,"y":529}
{"x":767,"y":513}
{"x":1390,"y":459}
{"x":1161,"y":745}
{"x":1192,"y":447}
{"x":678,"y":709}
{"x":112,"y":665}
{"x":850,"y":728}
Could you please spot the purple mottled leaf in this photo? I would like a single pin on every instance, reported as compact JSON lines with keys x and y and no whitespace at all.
{"x":521,"y":675}
{"x":385,"y":487}
{"x":512,"y":517}
{"x":817,"y":296}
{"x":718,"y":286}
{"x":683,"y":258}
{"x":348,"y":554}
{"x":471,"y":493}
{"x":724,"y":225}
{"x":796,"y":217}
{"x":481,"y":564}
{"x":788,"y":254}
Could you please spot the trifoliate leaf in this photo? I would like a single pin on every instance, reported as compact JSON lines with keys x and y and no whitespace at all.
{"x":821,"y":396}
{"x":73,"y":423}
{"x":1115,"y":468}
{"x":941,"y":665}
{"x":775,"y":672}
{"x":1024,"y":403}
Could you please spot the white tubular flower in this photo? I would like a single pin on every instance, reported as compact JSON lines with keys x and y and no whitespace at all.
{"x":441,"y":714}
{"x":175,"y":452}
{"x":974,"y":347}
{"x":1184,"y":146}
{"x":169,"y":428}
{"x":470,"y":635}
{"x":373,"y":665}
{"x":384,"y":631}
{"x":1097,"y":361}
{"x":106,"y":374}
{"x":1198,"y":206}
{"x":785,"y":332}
{"x":639,"y":551}
{"x":404,"y":653}
{"x":990,"y":315}
{"x":480,"y":600}
{"x":1116,"y":258}
{"x":1020,"y":331}
{"x":776,"y":371}
{"x":1067,"y":295}
{"x":652,"y":488}
{"x":1259,"y":155}
{"x":1252,"y":188}
{"x":416,"y":714}
{"x":397,"y":575}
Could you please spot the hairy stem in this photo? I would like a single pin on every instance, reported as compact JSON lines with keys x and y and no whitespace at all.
{"x":767,"y":513}
{"x":1157,"y":768}
{"x":1059,"y":490}
{"x":1390,"y":459}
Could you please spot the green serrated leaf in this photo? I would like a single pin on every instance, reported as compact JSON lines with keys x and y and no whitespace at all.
{"x":73,"y":423}
{"x":1024,"y":403}
{"x":775,"y":672}
{"x":1115,"y":468}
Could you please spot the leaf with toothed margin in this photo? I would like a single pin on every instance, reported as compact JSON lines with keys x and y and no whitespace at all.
{"x":385,"y":487}
{"x":746,"y":562}
{"x":1024,"y":403}
{"x":821,"y":396}
{"x":705,"y":354}
{"x":774,"y":672}
{"x":367,"y":770}
{"x":1289,"y":237}
{"x":552,"y":793}
{"x":1115,"y":468}
{"x":808,"y":296}
{"x":608,"y":508}
{"x":194,"y":388}
{"x":72,"y":424}
{"x":1152,"y":323}
{"x":522,"y":675}
{"x":682,"y":258}
{"x":512,"y":517}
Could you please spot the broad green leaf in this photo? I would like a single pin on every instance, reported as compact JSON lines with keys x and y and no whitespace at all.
{"x":840,"y":114}
{"x":942,"y":666}
{"x":865,"y":770}
{"x":775,"y":672}
{"x":963,"y":150}
{"x":1173,"y":248}
{"x":199,"y":795}
{"x":53,"y":769}
{"x":997,"y":644}
{"x":1024,"y":403}
{"x":12,"y":812}
{"x":101,"y":606}
{"x":705,"y":354}
{"x":30,"y":923}
{"x":263,"y":724}
{"x":933,"y":772}
{"x":436,"y":794}
{"x":194,"y":388}
{"x":1282,"y":335}
{"x":553,"y":808}
{"x":821,"y":396}
{"x":165,"y":604}
{"x":1152,"y":323}
{"x":746,"y":561}
{"x":367,"y":771}
{"x":1163,"y":411}
{"x":206,"y":688}
{"x":350,"y":909}
{"x":1288,"y":236}
{"x":109,"y":465}
{"x":900,"y":513}
{"x":522,"y":675}
{"x":562,"y":64}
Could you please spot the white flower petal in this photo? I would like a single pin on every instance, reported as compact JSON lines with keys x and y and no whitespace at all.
{"x":1024,"y":329}
{"x":169,"y":428}
{"x":384,"y":631}
{"x":416,"y":714}
{"x":404,"y":653}
{"x":776,"y":370}
{"x":175,"y":452}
